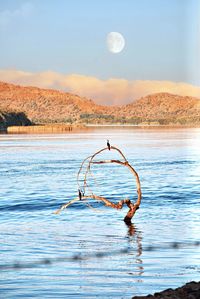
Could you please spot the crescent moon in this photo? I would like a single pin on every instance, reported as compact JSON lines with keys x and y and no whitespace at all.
{"x":115,"y":42}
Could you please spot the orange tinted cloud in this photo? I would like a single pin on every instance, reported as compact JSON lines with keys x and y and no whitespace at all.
{"x":107,"y":92}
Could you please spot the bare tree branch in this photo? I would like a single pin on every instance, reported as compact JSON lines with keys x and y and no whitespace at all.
{"x":90,"y":160}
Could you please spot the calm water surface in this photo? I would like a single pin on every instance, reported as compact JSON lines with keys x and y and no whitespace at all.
{"x":38,"y":174}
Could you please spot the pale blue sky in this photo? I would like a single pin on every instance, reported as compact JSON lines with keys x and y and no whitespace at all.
{"x":70,"y":37}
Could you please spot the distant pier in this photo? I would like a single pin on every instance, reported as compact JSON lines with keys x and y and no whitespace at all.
{"x":39,"y":129}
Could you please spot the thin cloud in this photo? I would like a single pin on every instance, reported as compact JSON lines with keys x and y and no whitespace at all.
{"x":7,"y":17}
{"x":107,"y":92}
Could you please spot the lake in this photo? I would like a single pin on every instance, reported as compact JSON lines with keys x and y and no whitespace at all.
{"x":89,"y":252}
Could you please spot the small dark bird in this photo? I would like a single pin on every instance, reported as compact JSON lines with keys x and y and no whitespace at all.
{"x":108,"y":145}
{"x":79,"y":194}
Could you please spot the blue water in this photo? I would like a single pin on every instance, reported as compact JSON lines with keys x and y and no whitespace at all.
{"x":38,"y":175}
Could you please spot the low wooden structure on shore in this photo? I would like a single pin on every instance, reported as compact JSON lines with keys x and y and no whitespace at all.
{"x":36,"y":129}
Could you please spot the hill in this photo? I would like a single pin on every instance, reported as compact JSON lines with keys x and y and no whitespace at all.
{"x":51,"y":106}
{"x":163,"y":108}
{"x":46,"y":105}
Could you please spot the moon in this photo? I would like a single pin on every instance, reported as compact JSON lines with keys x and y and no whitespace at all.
{"x":115,"y":42}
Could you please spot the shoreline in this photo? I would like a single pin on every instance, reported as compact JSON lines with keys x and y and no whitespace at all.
{"x":188,"y":290}
{"x":145,"y":125}
{"x":63,"y":128}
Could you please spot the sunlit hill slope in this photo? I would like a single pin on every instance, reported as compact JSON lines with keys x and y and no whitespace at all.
{"x":52,"y":106}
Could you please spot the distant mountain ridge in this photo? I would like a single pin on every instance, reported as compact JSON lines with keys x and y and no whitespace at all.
{"x":45,"y":105}
{"x":164,"y":107}
{"x":49,"y":106}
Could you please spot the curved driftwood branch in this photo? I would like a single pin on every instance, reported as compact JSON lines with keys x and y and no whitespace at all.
{"x":90,"y":160}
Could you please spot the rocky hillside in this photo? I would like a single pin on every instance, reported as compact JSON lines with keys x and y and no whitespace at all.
{"x":49,"y":106}
{"x":46,"y":105}
{"x":164,"y":108}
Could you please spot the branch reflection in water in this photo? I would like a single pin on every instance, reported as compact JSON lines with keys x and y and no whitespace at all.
{"x":135,"y":237}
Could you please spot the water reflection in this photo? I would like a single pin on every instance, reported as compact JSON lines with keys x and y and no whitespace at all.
{"x":135,"y":235}
{"x":38,"y":174}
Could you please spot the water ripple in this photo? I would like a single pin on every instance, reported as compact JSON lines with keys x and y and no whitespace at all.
{"x":38,"y":175}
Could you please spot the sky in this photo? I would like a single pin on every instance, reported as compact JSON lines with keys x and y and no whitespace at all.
{"x":62,"y":44}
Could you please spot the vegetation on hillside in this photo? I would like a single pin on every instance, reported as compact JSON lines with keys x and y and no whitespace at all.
{"x":8,"y":118}
{"x":51,"y":106}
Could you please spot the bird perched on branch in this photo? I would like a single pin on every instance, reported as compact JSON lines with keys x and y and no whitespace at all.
{"x":108,"y":145}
